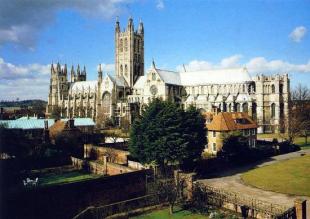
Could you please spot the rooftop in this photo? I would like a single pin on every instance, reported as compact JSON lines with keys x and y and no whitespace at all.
{"x":231,"y":121}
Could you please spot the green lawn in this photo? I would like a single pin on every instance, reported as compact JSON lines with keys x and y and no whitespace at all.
{"x":290,"y":176}
{"x":68,"y":177}
{"x":164,"y":213}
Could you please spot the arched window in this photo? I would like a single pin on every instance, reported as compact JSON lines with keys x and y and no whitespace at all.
{"x":121,"y":45}
{"x":245,"y":107}
{"x":202,"y":90}
{"x":273,"y":90}
{"x":273,"y":110}
{"x":153,"y":76}
{"x":224,"y":107}
{"x":106,"y":101}
{"x":121,"y":68}
{"x":281,"y":89}
{"x":243,"y":88}
{"x":126,"y":45}
{"x":229,"y":107}
{"x":126,"y":70}
{"x":237,"y":107}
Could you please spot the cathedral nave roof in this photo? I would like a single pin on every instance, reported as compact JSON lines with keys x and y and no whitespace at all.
{"x":79,"y":86}
{"x":215,"y":76}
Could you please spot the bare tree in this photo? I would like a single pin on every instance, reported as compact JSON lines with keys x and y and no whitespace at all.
{"x":299,"y":120}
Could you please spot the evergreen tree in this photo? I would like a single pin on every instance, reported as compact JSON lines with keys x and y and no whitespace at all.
{"x":165,"y":133}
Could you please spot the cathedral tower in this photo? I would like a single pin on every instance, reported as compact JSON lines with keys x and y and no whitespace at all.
{"x":129,"y":52}
{"x":58,"y":87}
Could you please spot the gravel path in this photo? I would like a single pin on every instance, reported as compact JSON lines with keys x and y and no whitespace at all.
{"x":230,"y":180}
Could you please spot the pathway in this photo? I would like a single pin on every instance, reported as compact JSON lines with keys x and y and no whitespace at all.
{"x":230,"y":180}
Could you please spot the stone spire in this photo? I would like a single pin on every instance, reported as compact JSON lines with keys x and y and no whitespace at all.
{"x":65,"y":69}
{"x":72,"y":74}
{"x":117,"y":27}
{"x":141,"y":28}
{"x":78,"y":70}
{"x":130,"y":24}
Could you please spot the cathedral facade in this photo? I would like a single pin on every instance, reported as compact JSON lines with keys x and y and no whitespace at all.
{"x":120,"y":97}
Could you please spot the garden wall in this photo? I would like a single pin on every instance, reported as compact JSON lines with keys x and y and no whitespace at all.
{"x":66,"y":200}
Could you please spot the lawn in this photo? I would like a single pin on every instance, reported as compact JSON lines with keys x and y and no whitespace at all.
{"x":72,"y":176}
{"x":164,"y":213}
{"x":290,"y":176}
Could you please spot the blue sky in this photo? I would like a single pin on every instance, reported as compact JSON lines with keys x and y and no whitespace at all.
{"x":265,"y":36}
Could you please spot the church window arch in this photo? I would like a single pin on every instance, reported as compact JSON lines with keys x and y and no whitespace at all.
{"x":243,"y":88}
{"x":281,"y":88}
{"x":121,"y":45}
{"x":273,"y":89}
{"x":126,"y":44}
{"x":229,"y":107}
{"x":224,"y":107}
{"x":106,"y":102}
{"x":273,"y":110}
{"x":245,"y":107}
{"x":153,"y":76}
{"x":237,"y":107}
{"x":126,"y":70}
{"x":121,"y":68}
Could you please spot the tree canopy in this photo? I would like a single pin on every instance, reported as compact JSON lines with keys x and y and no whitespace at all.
{"x":165,"y":133}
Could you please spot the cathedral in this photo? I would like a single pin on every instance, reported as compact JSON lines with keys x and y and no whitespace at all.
{"x":123,"y":95}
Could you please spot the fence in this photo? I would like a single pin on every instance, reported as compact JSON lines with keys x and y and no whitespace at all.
{"x":119,"y":207}
{"x":241,"y":203}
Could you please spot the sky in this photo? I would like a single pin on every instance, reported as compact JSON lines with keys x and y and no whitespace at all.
{"x":267,"y":37}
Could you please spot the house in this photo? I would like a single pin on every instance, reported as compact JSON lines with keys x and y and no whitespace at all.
{"x":228,"y":122}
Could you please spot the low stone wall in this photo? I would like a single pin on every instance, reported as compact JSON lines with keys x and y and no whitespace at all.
{"x":99,"y":152}
{"x":114,"y":169}
{"x":101,"y":167}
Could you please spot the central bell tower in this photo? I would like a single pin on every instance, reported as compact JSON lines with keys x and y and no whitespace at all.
{"x":129,"y":52}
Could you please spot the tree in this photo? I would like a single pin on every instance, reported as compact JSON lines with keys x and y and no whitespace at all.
{"x":166,"y":134}
{"x":299,"y":119}
{"x":234,"y":146}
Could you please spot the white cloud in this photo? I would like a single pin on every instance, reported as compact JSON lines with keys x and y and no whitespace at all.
{"x":298,"y":33}
{"x":21,"y":21}
{"x":23,"y":81}
{"x":230,"y":62}
{"x":255,"y":65}
{"x":108,"y":67}
{"x":160,"y":4}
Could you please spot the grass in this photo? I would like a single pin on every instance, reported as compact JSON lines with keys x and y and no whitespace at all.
{"x":73,"y":176}
{"x":299,"y":140}
{"x":289,"y":177}
{"x":164,"y":213}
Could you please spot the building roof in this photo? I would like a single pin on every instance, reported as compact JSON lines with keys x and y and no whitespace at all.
{"x":140,"y":82}
{"x":86,"y":86}
{"x":215,"y":76}
{"x":231,"y":121}
{"x":34,"y":123}
{"x":27,"y":123}
{"x":119,"y":81}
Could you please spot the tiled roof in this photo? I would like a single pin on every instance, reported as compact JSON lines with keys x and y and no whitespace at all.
{"x":231,"y":121}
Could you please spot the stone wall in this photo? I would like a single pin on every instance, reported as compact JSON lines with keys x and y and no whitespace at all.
{"x":98,"y":152}
{"x":101,"y":167}
{"x":66,"y":200}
